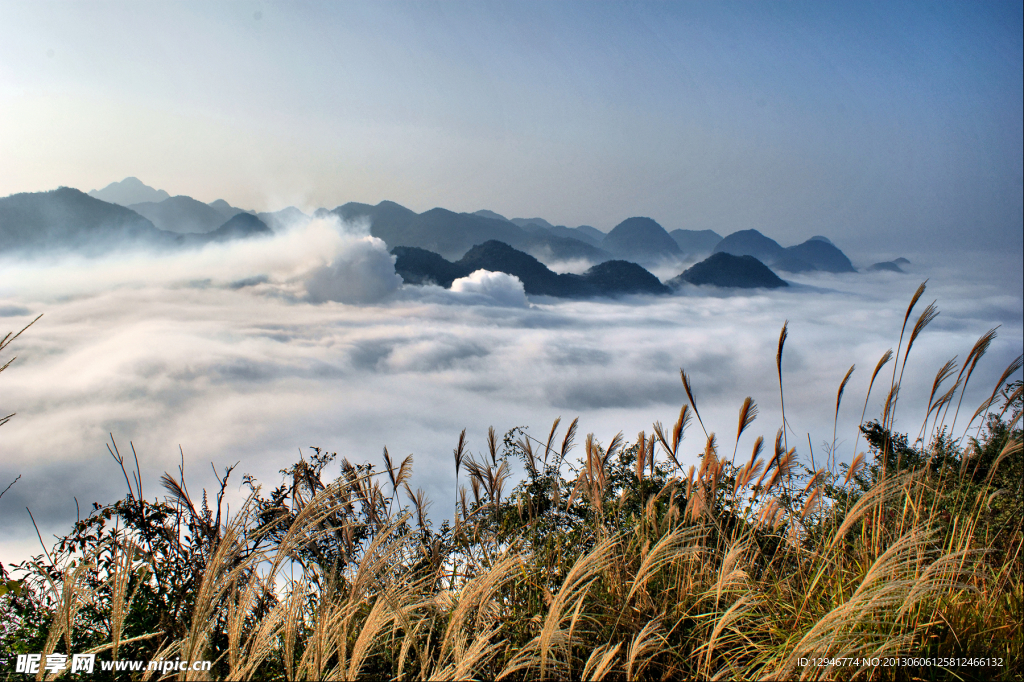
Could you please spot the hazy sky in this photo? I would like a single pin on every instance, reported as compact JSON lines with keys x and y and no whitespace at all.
{"x":877,"y":124}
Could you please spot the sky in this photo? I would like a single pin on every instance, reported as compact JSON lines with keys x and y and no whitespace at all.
{"x":875,"y":124}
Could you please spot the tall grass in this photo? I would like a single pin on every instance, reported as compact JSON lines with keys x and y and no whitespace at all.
{"x":621,"y":563}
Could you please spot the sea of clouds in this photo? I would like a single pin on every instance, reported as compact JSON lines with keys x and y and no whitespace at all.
{"x":253,"y":351}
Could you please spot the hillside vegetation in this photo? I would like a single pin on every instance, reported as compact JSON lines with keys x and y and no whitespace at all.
{"x":605,"y":561}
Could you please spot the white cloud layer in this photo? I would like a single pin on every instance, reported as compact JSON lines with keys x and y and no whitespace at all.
{"x":248,"y":352}
{"x":502,"y":288}
{"x":363,"y":272}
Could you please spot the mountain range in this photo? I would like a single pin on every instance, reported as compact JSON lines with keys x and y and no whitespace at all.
{"x":68,"y":219}
{"x":817,"y":253}
{"x":639,"y":240}
{"x":185,"y":214}
{"x":453,"y":234}
{"x":610,"y":278}
{"x":130,"y":212}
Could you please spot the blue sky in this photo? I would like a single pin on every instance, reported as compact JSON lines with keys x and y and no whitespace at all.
{"x":876,"y":124}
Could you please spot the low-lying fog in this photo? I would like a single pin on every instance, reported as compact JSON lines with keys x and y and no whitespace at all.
{"x":252,"y":351}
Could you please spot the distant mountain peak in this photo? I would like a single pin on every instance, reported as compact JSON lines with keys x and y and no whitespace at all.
{"x":817,"y":253}
{"x":226,"y":210}
{"x":484,"y":213}
{"x":750,"y":243}
{"x":723,"y":269}
{"x":821,"y":254}
{"x":182,"y":214}
{"x":521,"y":222}
{"x":592,"y":232}
{"x":129,"y":191}
{"x":641,"y":240}
{"x":886,"y":266}
{"x":239,"y":225}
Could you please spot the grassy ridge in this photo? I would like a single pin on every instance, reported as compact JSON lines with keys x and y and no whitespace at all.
{"x":619,"y":563}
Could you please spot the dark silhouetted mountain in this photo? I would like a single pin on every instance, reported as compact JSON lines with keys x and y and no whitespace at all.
{"x":283,"y":219}
{"x":886,"y":266}
{"x":726,"y":270}
{"x":66,"y":218}
{"x":490,"y":214}
{"x":901,"y":261}
{"x":611,"y":278}
{"x":453,"y":234}
{"x":225,"y":209}
{"x":615,"y":277}
{"x":419,"y":266}
{"x":535,"y":276}
{"x":640,"y":240}
{"x":822,"y":254}
{"x":181,"y":214}
{"x":751,"y":243}
{"x":696,"y":242}
{"x":820,"y":238}
{"x":241,"y":226}
{"x":129,"y":191}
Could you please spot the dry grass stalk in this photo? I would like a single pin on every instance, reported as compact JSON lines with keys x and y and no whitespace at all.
{"x":600,"y":662}
{"x":748,"y":413}
{"x":689,"y":395}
